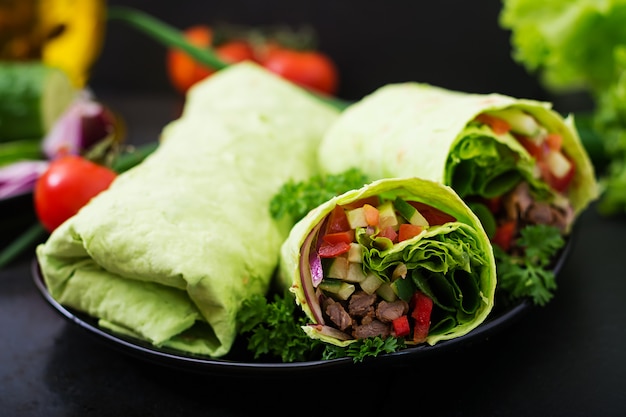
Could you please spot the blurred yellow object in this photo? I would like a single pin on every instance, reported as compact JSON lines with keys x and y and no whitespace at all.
{"x":74,"y":31}
{"x":67,"y":34}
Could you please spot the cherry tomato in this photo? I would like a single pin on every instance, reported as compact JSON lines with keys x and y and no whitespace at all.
{"x":184,"y":71}
{"x":67,"y":185}
{"x":310,"y":69}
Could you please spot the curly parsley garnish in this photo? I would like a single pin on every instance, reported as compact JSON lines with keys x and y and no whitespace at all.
{"x":296,"y":199}
{"x":527,"y":273}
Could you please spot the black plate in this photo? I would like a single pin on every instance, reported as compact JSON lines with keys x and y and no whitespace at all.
{"x":240,"y":362}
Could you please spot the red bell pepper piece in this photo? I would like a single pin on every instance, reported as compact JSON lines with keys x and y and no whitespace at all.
{"x":401,"y":326}
{"x":504,"y":234}
{"x":422,"y":306}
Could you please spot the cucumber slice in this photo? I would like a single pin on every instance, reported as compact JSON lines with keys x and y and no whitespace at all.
{"x":410,"y":213}
{"x":340,"y":289}
{"x":34,"y":96}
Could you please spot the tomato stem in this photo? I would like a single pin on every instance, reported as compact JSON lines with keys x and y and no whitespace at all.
{"x":165,"y":33}
{"x":174,"y":38}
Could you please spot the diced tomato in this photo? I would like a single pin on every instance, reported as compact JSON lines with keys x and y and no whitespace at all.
{"x":561,"y":184}
{"x":338,"y":237}
{"x":433,"y":215}
{"x":372,"y":201}
{"x":401,"y":326}
{"x":422,"y":306}
{"x":554,"y":141}
{"x":504,"y":234}
{"x":499,"y":126}
{"x":372,"y":214}
{"x":337,"y":222}
{"x":330,"y":250}
{"x":534,"y":149}
{"x":408,"y":230}
{"x":389,"y":233}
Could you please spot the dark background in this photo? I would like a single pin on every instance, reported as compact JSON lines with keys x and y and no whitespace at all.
{"x":455,"y":44}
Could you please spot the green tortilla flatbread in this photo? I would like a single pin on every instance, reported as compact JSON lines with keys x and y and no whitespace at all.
{"x":413,"y":129}
{"x":171,"y":250}
{"x":451,"y":261}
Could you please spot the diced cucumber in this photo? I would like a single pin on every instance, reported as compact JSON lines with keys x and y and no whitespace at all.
{"x":387,"y":215}
{"x":410,"y":213}
{"x":356,"y":218}
{"x":33,"y":97}
{"x":557,"y":162}
{"x":338,"y":268}
{"x":386,"y":292}
{"x":355,"y":254}
{"x":340,"y":289}
{"x":355,"y":273}
{"x":520,"y":121}
{"x":404,"y":288}
{"x":371,"y":283}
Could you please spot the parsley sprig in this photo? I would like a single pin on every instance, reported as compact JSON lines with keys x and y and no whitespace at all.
{"x":526,"y":272}
{"x":296,"y":199}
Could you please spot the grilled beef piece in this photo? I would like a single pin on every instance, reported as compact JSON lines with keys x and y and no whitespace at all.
{"x":371,"y":328}
{"x":520,"y":205}
{"x":361,"y":304}
{"x":388,"y":312}
{"x":337,"y":314}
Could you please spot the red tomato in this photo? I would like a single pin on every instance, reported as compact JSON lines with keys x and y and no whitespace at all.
{"x":408,"y":231}
{"x":310,"y":69}
{"x":432,"y":215}
{"x":499,"y":126}
{"x":561,"y":183}
{"x":184,"y":71}
{"x":389,"y":233}
{"x":328,"y":250}
{"x":338,"y":237}
{"x":66,"y":186}
{"x":338,"y":221}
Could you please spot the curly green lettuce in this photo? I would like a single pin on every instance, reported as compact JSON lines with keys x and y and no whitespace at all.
{"x":580,"y":45}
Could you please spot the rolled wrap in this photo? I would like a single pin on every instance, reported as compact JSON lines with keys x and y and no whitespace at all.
{"x":451,"y":261}
{"x":171,"y":250}
{"x":413,"y":129}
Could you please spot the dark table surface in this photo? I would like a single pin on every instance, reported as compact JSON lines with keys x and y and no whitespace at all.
{"x":565,"y":359}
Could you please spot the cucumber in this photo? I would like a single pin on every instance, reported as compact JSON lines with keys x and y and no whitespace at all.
{"x":410,"y":213}
{"x":34,"y":95}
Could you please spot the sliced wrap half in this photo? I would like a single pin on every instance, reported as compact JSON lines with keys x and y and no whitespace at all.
{"x":435,"y":268}
{"x":170,"y":251}
{"x":519,"y":158}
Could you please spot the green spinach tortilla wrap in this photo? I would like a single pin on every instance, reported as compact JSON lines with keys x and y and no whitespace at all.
{"x":171,"y":250}
{"x":517,"y":161}
{"x":397,"y":257}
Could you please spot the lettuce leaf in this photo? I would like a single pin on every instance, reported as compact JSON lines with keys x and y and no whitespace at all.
{"x":580,"y":45}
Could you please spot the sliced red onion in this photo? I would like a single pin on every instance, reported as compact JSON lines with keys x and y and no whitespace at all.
{"x":306,"y":278}
{"x":20,"y":177}
{"x":84,"y":124}
{"x":317,"y":273}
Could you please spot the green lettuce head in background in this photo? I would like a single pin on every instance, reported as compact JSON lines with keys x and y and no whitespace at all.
{"x":580,"y":45}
